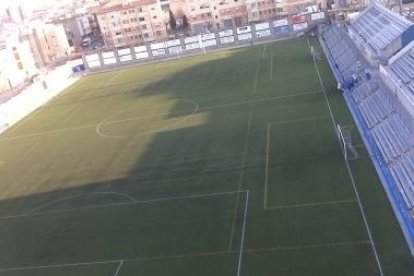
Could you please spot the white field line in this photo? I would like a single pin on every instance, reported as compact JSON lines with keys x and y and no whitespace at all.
{"x":275,"y":98}
{"x":312,"y":204}
{"x":267,"y":167}
{"x":130,"y":198}
{"x":241,"y":177}
{"x":99,"y":206}
{"x":374,"y":249}
{"x":119,"y":268}
{"x":34,"y":134}
{"x":243,"y":235}
{"x":57,"y":265}
{"x":245,"y":102}
{"x":271,"y":66}
{"x":143,"y":259}
{"x":169,"y":126}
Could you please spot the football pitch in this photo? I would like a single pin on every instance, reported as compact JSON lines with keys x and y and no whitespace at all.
{"x":222,"y":164}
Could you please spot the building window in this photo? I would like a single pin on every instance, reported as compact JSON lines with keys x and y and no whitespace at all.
{"x":142,"y":19}
{"x":154,"y":17}
{"x":158,"y":33}
{"x":146,"y":35}
{"x":144,"y":27}
{"x":20,"y":65}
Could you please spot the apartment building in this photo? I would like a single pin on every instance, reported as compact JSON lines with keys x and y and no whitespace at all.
{"x":132,"y":23}
{"x":50,"y":42}
{"x":77,"y":26}
{"x":206,"y":15}
{"x":264,"y":10}
{"x":138,"y":21}
{"x":17,"y":63}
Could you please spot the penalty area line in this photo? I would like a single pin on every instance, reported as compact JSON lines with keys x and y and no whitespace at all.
{"x":239,"y":266}
{"x":121,"y":204}
{"x":241,"y":177}
{"x":119,"y":268}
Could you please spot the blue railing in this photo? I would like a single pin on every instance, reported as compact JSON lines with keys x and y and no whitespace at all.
{"x":387,"y":180}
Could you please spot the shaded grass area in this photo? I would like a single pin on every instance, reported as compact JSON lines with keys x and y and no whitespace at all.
{"x":145,"y":171}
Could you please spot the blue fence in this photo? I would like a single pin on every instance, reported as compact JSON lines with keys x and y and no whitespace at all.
{"x":403,"y":215}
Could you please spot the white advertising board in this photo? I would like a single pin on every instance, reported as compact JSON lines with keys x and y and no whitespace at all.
{"x":110,"y":54}
{"x":156,"y":46}
{"x":300,"y":26}
{"x":140,"y":49}
{"x":109,"y":61}
{"x":227,"y":39}
{"x":191,"y":39}
{"x":92,"y":57}
{"x":94,"y":63}
{"x":122,"y":52}
{"x":262,"y":26}
{"x":125,"y":58}
{"x":263,"y":33}
{"x":158,"y":52}
{"x":244,"y":36}
{"x":192,"y":46}
{"x":141,"y":55}
{"x":175,"y":42}
{"x":175,"y":49}
{"x":243,"y":30}
{"x":281,"y":22}
{"x":209,"y":43}
{"x":208,"y":36}
{"x":226,"y":33}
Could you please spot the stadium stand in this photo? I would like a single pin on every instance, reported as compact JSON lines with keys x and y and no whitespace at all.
{"x":380,"y":33}
{"x":384,"y":117}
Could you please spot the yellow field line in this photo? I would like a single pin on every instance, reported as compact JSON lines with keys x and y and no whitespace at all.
{"x":256,"y":76}
{"x":267,"y":167}
{"x":312,"y":204}
{"x":310,"y":246}
{"x":271,"y":66}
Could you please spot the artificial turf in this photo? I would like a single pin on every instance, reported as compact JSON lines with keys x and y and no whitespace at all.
{"x":172,"y":168}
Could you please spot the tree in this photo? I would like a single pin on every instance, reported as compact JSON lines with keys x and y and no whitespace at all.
{"x":185,"y":22}
{"x":173,"y":21}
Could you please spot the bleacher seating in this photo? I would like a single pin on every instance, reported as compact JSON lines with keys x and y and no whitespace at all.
{"x":379,"y":27}
{"x":393,"y":139}
{"x":403,"y":69}
{"x":343,"y":51}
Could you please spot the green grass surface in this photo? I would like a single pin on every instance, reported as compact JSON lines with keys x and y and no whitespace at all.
{"x":149,"y":171}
